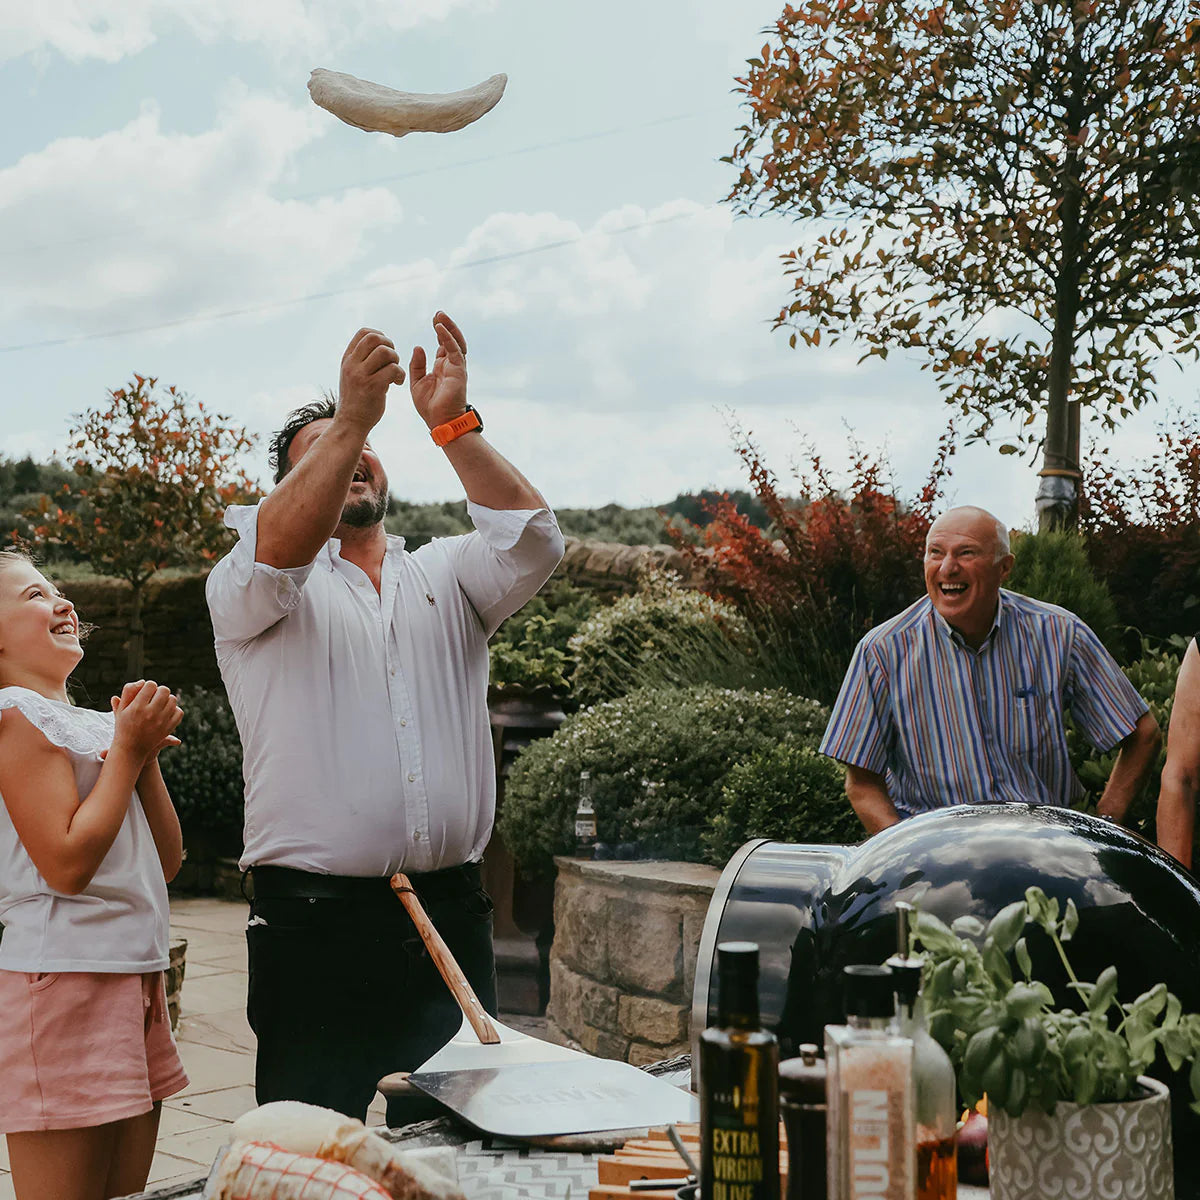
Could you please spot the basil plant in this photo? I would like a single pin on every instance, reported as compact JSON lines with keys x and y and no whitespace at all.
{"x":1007,"y":1039}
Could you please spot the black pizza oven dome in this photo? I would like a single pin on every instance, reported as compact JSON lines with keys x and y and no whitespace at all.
{"x":815,"y":909}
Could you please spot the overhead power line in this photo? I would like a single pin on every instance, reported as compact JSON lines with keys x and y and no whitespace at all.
{"x":185,"y":218}
{"x":406,"y":277}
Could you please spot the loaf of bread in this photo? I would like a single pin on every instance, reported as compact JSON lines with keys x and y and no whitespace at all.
{"x":325,"y":1134}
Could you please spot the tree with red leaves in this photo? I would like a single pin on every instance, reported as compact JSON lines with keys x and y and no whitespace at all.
{"x":1143,"y":530}
{"x":154,"y":478}
{"x":831,"y":565}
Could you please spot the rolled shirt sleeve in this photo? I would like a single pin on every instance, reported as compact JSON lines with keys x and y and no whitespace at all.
{"x":246,"y":597}
{"x":858,"y":733}
{"x":1101,"y":698}
{"x":506,"y":560}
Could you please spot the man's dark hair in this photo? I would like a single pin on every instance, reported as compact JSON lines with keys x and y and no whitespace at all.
{"x":281,"y":442}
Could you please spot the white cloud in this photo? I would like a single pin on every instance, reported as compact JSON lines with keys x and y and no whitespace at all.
{"x":141,"y":225}
{"x":99,"y":29}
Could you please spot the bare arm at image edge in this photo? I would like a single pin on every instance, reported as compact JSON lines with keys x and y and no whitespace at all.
{"x":868,"y":796}
{"x":1181,"y":775}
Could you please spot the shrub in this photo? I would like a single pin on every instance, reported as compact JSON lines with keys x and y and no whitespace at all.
{"x":658,"y":758}
{"x":1054,"y":567}
{"x":788,"y":793}
{"x":1154,"y":676}
{"x":204,"y":772}
{"x":1143,"y":529}
{"x":833,"y":563}
{"x":663,"y":635}
{"x":530,"y":651}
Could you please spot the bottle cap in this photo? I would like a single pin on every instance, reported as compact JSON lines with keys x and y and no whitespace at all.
{"x":906,"y":967}
{"x":737,"y":956}
{"x":906,"y":979}
{"x":802,"y":1079}
{"x":869,"y":991}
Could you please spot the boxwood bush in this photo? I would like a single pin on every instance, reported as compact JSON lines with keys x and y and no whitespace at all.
{"x":1054,"y":567}
{"x":658,"y":758}
{"x":788,"y":793}
{"x":204,"y":772}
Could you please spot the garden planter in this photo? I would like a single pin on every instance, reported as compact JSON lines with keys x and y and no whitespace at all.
{"x":523,"y":921}
{"x":176,"y":962}
{"x":1115,"y":1151}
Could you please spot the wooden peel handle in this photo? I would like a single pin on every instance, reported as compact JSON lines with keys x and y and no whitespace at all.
{"x":449,"y":970}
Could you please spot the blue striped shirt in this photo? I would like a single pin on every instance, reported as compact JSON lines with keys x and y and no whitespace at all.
{"x":946,"y":724}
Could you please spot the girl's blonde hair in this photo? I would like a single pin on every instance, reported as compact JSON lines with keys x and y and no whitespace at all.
{"x":10,"y":556}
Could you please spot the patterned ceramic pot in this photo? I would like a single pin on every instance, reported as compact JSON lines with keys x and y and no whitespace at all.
{"x":1115,"y":1151}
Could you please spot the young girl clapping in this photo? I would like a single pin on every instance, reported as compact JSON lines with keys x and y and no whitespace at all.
{"x":88,"y":840}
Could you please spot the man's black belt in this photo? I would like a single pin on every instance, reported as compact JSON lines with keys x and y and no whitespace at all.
{"x":280,"y":883}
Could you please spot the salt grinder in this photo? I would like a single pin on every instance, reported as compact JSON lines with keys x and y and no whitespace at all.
{"x":802,"y":1107}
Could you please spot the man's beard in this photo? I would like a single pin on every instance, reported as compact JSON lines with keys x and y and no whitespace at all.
{"x":362,"y":514}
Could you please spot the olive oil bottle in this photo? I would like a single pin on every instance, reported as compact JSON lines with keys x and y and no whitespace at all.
{"x":739,"y":1082}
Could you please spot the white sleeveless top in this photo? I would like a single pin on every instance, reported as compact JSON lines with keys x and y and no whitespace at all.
{"x":119,"y":923}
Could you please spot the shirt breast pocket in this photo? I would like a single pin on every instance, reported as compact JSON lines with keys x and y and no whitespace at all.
{"x":1027,"y":726}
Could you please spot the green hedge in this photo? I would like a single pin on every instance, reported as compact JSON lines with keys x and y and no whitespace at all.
{"x":658,"y":758}
{"x":204,"y":772}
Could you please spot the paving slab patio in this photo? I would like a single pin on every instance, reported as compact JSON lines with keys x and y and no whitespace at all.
{"x":215,"y":1042}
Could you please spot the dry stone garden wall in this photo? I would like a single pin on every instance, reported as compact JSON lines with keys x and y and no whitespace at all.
{"x":624,"y":956}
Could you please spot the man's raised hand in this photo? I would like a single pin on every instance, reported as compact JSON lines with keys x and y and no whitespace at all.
{"x":369,"y":367}
{"x":440,"y":395}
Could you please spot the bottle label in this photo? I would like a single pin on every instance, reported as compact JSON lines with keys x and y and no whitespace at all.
{"x":878,"y":1157}
{"x":737,"y":1164}
{"x":585,"y":829}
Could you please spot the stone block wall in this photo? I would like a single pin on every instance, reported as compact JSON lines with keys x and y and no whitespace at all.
{"x":624,"y":955}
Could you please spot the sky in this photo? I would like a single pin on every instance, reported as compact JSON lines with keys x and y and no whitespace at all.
{"x":173,"y":204}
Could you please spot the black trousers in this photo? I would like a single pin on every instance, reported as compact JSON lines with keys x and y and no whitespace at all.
{"x":342,"y":991}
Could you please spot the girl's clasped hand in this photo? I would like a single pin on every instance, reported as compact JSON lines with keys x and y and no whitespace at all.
{"x":146,"y":713}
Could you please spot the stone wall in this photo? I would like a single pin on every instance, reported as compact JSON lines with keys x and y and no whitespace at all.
{"x":624,"y":955}
{"x":179,"y":638}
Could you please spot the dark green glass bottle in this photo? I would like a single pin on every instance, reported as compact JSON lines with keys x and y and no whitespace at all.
{"x":739,"y":1087}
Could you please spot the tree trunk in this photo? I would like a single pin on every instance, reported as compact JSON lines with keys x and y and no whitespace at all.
{"x":135,"y":661}
{"x":1057,"y":501}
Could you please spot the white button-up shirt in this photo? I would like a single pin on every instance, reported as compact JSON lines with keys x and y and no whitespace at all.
{"x":363,"y":716}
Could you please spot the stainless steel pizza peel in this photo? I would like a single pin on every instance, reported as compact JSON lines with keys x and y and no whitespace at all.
{"x":508,"y":1084}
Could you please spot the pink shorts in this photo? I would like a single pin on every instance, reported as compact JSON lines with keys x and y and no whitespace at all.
{"x":81,"y":1048}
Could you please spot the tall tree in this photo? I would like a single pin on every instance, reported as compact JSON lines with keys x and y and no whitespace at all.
{"x":1007,"y":187}
{"x":153,"y":477}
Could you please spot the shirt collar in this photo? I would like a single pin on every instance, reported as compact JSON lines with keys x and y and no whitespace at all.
{"x":332,"y":550}
{"x":944,"y":626}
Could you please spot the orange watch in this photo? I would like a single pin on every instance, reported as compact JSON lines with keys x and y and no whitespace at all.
{"x":449,"y":430}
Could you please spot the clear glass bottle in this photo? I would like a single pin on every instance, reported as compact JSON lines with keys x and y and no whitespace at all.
{"x":739,"y":1082}
{"x":870,"y":1089}
{"x":585,"y":818}
{"x":936,"y":1094}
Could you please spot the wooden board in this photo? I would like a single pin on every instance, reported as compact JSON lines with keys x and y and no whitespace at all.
{"x":653,"y":1157}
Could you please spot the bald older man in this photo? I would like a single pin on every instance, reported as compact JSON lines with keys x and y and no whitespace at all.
{"x":960,"y":698}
